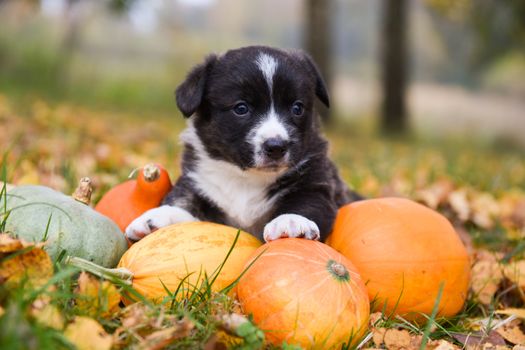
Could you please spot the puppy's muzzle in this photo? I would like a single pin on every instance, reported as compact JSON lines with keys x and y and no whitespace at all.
{"x":275,"y":148}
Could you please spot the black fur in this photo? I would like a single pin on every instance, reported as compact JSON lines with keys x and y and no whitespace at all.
{"x":311,"y":186}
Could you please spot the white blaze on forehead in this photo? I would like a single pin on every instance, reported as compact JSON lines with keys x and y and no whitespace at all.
{"x":268,"y":65}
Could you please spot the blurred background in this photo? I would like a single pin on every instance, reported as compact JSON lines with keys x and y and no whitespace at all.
{"x":428,"y":96}
{"x":431,"y":65}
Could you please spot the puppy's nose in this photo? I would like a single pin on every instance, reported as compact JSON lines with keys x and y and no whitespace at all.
{"x":275,"y":148}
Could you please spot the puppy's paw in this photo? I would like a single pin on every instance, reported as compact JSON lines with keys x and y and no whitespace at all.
{"x":291,"y":225}
{"x":156,"y":218}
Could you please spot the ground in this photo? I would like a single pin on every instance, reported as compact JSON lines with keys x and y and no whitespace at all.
{"x":478,"y":185}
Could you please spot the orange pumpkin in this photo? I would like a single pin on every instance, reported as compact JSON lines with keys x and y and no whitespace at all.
{"x":304,"y":292}
{"x":127,"y":201}
{"x":180,"y":252}
{"x":404,"y":251}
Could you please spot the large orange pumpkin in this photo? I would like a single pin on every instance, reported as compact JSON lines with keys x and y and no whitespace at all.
{"x":185,"y":251}
{"x":404,"y":251}
{"x":128,"y":200}
{"x":304,"y":292}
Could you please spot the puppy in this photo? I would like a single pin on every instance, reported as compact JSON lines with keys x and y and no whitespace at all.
{"x":253,"y":155}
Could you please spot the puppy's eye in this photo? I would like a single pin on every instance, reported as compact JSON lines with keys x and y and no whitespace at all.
{"x":241,"y":108}
{"x":298,"y":108}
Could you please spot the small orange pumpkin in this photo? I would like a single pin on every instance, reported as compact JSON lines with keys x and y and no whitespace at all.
{"x":304,"y":292}
{"x":127,"y":201}
{"x":404,"y":251}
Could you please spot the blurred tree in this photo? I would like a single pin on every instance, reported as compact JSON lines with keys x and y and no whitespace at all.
{"x":394,"y":118}
{"x":497,"y":27}
{"x":120,"y":6}
{"x":318,"y":40}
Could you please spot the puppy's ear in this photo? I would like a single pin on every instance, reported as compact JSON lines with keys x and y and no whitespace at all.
{"x":189,"y":94}
{"x":320,"y":87}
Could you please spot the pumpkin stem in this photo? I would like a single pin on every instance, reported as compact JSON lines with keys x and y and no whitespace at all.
{"x":338,"y":270}
{"x":120,"y":275}
{"x":151,"y":172}
{"x":83,"y":191}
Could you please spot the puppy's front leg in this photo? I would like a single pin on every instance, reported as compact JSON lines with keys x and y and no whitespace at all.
{"x":309,"y":216}
{"x":156,"y":218}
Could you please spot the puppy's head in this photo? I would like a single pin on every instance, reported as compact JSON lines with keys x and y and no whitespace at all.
{"x":253,"y":106}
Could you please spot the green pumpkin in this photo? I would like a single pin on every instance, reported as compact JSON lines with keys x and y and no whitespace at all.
{"x":74,"y":227}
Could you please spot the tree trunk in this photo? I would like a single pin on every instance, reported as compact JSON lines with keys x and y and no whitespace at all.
{"x":394,"y":119}
{"x":317,"y":40}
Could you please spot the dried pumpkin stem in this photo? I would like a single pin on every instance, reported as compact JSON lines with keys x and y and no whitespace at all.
{"x":151,"y":172}
{"x":121,"y":274}
{"x":83,"y":192}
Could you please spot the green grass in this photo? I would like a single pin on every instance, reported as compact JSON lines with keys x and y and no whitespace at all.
{"x":367,"y":162}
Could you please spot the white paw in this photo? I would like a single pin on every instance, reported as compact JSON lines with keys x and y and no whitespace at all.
{"x":291,"y":225}
{"x":156,"y":218}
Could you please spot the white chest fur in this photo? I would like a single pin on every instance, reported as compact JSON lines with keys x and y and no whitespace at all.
{"x":241,"y":195}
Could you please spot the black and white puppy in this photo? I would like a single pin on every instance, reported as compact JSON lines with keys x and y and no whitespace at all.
{"x":253,"y":156}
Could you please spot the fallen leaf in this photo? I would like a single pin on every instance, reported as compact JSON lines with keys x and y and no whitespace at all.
{"x":397,"y":339}
{"x":476,"y":339}
{"x":9,"y":244}
{"x":374,"y":318}
{"x":378,"y":336}
{"x":215,"y":343}
{"x":486,"y":277}
{"x":87,"y":334}
{"x":31,"y":265}
{"x":94,"y":297}
{"x":230,"y":322}
{"x":163,"y":337}
{"x":515,"y":272}
{"x":512,"y":333}
{"x":459,"y":203}
{"x":510,"y":311}
{"x":48,"y":315}
{"x":436,"y":194}
{"x":441,"y":344}
{"x":484,"y":209}
{"x":134,"y":315}
{"x":30,"y":173}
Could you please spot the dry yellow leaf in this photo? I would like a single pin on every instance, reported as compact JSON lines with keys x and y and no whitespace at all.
{"x":486,"y":277}
{"x":459,"y":203}
{"x":434,"y":195}
{"x":87,"y":334}
{"x":512,"y":333}
{"x":9,"y":244}
{"x":515,"y":272}
{"x":378,"y":336}
{"x":484,"y":209}
{"x":161,"y":338}
{"x":33,"y":267}
{"x":441,"y":344}
{"x":517,"y":312}
{"x":396,"y":339}
{"x":134,"y":315}
{"x":48,"y":315}
{"x":30,"y":173}
{"x":95,"y":297}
